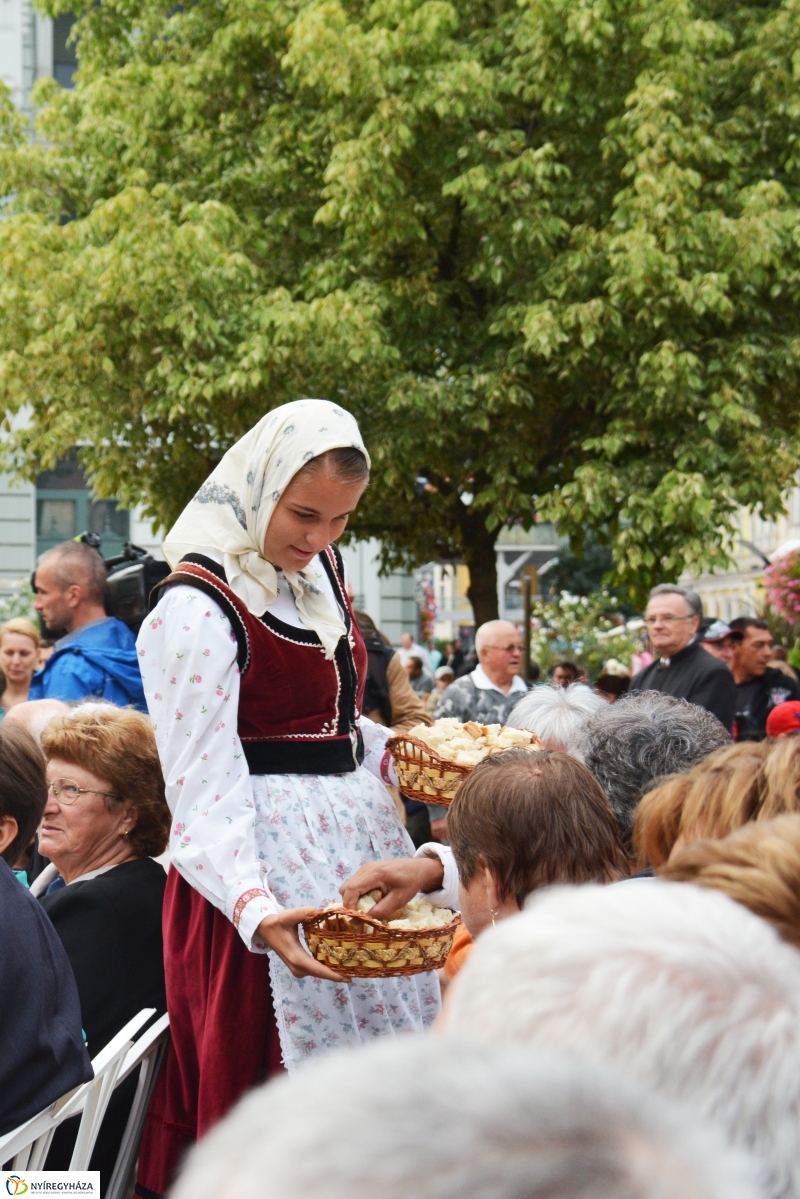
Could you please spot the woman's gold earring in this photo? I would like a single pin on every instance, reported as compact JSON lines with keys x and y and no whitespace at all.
{"x":493,"y":913}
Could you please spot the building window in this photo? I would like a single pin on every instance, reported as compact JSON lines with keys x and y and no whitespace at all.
{"x":65,"y":59}
{"x":56,"y":520}
{"x":65,"y":508}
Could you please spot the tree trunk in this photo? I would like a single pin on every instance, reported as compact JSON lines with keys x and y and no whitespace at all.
{"x":479,"y":556}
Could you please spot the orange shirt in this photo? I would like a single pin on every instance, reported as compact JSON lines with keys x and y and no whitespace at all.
{"x":462,"y":948}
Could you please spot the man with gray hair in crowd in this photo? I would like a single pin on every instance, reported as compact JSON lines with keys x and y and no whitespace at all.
{"x":683,"y":668}
{"x":95,"y":656}
{"x":488,"y":694}
{"x":632,"y":744}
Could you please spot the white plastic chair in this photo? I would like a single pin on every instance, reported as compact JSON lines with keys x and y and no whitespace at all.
{"x":27,"y":1146}
{"x":146,"y":1054}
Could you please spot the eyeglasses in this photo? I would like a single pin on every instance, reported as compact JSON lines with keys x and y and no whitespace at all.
{"x":507,"y":649}
{"x":651,"y":620}
{"x":67,"y":791}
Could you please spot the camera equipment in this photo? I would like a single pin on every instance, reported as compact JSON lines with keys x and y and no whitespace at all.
{"x":132,"y":575}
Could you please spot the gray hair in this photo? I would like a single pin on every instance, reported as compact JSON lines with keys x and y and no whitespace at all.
{"x":672,"y":984}
{"x":75,"y":562}
{"x":644,"y":737}
{"x":434,"y":1118}
{"x":693,"y":601}
{"x":555,"y":714}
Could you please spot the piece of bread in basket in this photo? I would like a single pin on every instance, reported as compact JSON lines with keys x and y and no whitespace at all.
{"x":416,"y":939}
{"x":431,"y":763}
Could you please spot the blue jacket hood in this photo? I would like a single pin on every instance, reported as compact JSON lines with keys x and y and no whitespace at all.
{"x":99,"y":661}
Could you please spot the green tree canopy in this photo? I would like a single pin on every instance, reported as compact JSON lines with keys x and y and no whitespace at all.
{"x":547,"y":252}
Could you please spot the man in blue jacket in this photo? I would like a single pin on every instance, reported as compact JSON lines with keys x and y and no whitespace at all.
{"x":96,"y":659}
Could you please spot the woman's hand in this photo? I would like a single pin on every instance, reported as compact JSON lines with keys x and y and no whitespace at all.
{"x":280,"y":934}
{"x":398,"y":880}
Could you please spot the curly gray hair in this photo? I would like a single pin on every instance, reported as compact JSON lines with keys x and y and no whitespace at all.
{"x":631,"y":745}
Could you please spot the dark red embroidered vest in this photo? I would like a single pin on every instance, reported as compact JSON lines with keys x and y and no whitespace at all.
{"x":297,"y":711}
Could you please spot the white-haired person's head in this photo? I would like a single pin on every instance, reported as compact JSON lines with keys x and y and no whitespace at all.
{"x":556,"y":714}
{"x":642,"y":738}
{"x":677,"y":986}
{"x":427,"y":1118}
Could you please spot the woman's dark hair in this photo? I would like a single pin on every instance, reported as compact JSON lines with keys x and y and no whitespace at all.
{"x":23,"y":785}
{"x":612,"y":684}
{"x":347,"y":463}
{"x":534,"y":819}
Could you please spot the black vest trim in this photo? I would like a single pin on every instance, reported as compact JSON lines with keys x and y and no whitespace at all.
{"x":214,"y":568}
{"x":304,"y":756}
{"x":336,"y":577}
{"x":290,"y":632}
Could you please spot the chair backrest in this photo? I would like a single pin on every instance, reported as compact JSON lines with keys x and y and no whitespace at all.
{"x":27,"y":1146}
{"x":146,"y":1055}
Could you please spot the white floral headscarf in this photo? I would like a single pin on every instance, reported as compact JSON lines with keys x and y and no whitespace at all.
{"x":232,"y":510}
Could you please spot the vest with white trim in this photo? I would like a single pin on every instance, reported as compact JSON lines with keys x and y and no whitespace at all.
{"x":298,"y":712}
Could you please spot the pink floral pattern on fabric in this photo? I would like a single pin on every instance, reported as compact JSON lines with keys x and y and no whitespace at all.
{"x":315,"y":831}
{"x":242,"y":902}
{"x":254,"y":845}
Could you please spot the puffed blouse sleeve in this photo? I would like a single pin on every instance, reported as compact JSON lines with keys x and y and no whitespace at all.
{"x":187,"y":655}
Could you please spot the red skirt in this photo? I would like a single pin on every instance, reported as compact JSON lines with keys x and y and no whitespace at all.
{"x":223,"y":1034}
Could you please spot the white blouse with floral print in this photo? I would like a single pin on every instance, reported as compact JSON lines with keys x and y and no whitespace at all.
{"x":252,"y":845}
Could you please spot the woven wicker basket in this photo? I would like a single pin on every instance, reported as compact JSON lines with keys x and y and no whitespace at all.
{"x":424,"y":775}
{"x":356,"y":947}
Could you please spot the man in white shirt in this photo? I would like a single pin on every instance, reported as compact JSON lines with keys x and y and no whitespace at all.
{"x":410,"y":649}
{"x":488,"y":694}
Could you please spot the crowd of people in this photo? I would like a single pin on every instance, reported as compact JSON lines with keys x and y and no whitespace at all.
{"x":620,"y":1012}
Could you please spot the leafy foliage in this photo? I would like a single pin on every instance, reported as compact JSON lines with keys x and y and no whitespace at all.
{"x":18,"y":602}
{"x":585,"y":629}
{"x":547,"y":252}
{"x":584,"y":573}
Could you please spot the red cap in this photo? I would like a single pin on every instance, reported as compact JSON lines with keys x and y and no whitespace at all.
{"x":784,"y":718}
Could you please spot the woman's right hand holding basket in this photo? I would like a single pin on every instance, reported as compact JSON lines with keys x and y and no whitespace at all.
{"x":280,"y":934}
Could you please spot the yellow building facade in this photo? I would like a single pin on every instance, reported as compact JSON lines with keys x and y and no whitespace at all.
{"x":739,"y":591}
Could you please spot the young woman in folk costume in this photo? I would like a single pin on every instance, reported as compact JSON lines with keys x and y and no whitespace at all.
{"x":253,"y":670}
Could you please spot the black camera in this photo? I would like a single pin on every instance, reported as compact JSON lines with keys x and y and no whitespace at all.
{"x":132,"y":575}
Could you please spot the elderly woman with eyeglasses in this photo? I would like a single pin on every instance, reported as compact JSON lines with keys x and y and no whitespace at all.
{"x":104,"y":821}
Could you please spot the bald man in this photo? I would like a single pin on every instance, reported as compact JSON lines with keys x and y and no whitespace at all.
{"x":35,"y":714}
{"x":490,"y":692}
{"x":96,"y":657}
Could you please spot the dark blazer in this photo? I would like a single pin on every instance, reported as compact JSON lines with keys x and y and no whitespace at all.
{"x":110,"y":927}
{"x":42,"y":1055}
{"x":695,"y":675}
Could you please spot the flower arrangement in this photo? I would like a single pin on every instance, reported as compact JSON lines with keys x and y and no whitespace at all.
{"x":585,"y":629}
{"x":782,"y":586}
